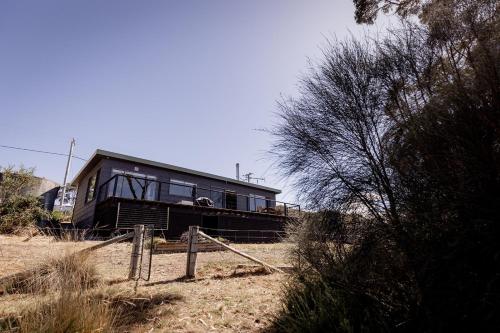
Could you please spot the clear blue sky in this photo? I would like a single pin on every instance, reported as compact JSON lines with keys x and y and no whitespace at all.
{"x":181,"y":82}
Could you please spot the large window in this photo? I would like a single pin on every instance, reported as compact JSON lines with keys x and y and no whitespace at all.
{"x":217,"y":196}
{"x":182,"y":189}
{"x":257,"y":203}
{"x":91,"y":187}
{"x":134,"y":185}
{"x":231,"y":200}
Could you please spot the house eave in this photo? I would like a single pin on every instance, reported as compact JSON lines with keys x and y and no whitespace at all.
{"x":100,"y":154}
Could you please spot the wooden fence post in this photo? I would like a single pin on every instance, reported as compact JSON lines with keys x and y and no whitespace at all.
{"x":192,"y":250}
{"x":136,"y":250}
{"x":204,"y":235}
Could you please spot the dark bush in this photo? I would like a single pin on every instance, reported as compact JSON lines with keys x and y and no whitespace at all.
{"x":400,"y":138}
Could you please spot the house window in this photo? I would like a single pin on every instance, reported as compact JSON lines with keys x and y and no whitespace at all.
{"x":217,"y":196}
{"x":91,"y":190}
{"x":133,"y":185}
{"x":231,"y":200}
{"x":182,"y":189}
{"x":257,"y":203}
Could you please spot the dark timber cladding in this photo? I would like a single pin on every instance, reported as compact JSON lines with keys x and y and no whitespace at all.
{"x":116,"y":191}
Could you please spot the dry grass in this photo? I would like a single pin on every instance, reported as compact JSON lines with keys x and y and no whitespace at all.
{"x":59,"y":298}
{"x":67,"y":312}
{"x":68,"y":272}
{"x":228,"y":294}
{"x":102,"y":310}
{"x":67,"y":296}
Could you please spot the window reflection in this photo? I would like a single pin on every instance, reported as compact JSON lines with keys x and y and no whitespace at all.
{"x":217,"y":197}
{"x":182,"y":189}
{"x":130,"y":187}
{"x":258,"y":203}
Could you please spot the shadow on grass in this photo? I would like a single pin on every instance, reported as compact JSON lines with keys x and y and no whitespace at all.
{"x":116,"y":281}
{"x":234,"y":275}
{"x":138,"y":308}
{"x":243,"y":273}
{"x":179,"y":279}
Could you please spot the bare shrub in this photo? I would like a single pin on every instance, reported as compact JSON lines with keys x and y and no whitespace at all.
{"x":400,"y":137}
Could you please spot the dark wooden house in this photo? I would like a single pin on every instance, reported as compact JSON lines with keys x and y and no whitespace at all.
{"x":117,"y":191}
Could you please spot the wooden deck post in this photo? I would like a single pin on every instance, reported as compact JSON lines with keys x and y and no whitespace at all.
{"x":192,"y":250}
{"x":136,"y":250}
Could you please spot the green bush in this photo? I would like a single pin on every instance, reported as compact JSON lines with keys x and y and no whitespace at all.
{"x":59,"y":216}
{"x":344,"y":281}
{"x":19,"y":210}
{"x":19,"y":214}
{"x":313,"y":305}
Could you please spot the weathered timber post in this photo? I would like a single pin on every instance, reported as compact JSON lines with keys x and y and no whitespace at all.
{"x":137,"y":246}
{"x":204,"y":235}
{"x":192,"y":250}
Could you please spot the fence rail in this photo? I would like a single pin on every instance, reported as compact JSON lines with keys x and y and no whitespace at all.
{"x":112,"y":255}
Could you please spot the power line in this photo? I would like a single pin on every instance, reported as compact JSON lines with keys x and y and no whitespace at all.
{"x":42,"y":151}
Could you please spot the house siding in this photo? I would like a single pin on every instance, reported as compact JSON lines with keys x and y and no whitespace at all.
{"x":176,"y":219}
{"x":83,"y":215}
{"x":163,"y":175}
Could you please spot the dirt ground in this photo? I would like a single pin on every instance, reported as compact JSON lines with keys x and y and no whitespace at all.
{"x":227,"y":295}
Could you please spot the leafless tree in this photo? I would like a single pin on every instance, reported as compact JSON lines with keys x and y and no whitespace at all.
{"x":397,"y":142}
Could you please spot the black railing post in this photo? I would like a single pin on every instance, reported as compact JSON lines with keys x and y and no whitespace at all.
{"x":114,"y":185}
{"x":98,"y":193}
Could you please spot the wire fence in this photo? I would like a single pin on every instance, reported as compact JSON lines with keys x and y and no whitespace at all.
{"x":112,"y":262}
{"x":147,"y":254}
{"x":269,"y":246}
{"x":246,"y":236}
{"x":102,"y":234}
{"x":21,"y":253}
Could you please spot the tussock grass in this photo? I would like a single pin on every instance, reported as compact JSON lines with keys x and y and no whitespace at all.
{"x":68,"y":296}
{"x":93,"y":311}
{"x":71,"y":272}
{"x":310,"y":305}
{"x":67,"y":312}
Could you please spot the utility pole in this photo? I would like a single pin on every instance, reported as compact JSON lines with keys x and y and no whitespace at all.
{"x":68,"y":164}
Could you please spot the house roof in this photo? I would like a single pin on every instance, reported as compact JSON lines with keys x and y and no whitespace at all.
{"x":102,"y":154}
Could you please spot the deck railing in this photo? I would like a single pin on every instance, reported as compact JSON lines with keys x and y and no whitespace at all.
{"x":147,"y":189}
